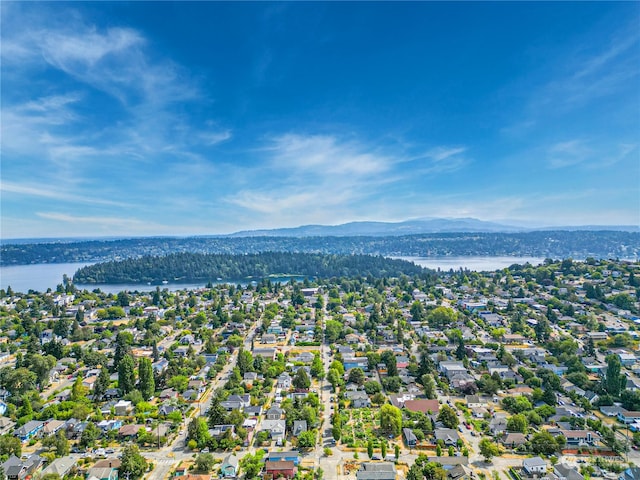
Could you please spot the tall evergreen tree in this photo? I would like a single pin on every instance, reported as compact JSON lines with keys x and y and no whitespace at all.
{"x":123,"y":348}
{"x":145,"y":374}
{"x":126,"y":374}
{"x":102,"y":384}
{"x":613,"y":379}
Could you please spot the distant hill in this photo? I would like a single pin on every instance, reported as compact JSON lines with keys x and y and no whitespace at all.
{"x":383,"y":229}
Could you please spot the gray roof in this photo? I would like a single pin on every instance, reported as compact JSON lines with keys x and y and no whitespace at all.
{"x":60,"y":466}
{"x":534,"y":462}
{"x":230,"y":461}
{"x":568,"y":472}
{"x":376,"y":471}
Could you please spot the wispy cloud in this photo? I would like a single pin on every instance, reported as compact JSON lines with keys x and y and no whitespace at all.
{"x":325,"y":178}
{"x":64,"y":138}
{"x":589,"y":75}
{"x":565,"y":154}
{"x":45,"y":191}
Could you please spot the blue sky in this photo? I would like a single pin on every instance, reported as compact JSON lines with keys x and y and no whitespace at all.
{"x":150,"y":118}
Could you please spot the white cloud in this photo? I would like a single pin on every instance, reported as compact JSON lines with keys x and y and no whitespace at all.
{"x":45,"y":191}
{"x":565,"y":154}
{"x":213,"y":138}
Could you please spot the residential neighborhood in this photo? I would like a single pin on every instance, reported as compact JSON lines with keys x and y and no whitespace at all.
{"x":525,"y":372}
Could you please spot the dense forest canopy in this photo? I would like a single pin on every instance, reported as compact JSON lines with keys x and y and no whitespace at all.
{"x":191,"y":267}
{"x":552,"y":244}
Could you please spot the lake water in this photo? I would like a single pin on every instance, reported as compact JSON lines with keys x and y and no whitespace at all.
{"x":40,"y":277}
{"x":477,"y":264}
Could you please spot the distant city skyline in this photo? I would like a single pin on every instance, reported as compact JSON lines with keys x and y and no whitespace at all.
{"x":163,"y":118}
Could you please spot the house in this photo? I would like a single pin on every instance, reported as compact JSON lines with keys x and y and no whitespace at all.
{"x":220,"y":430}
{"x":265,"y":352}
{"x":578,"y":437}
{"x":250,"y":377}
{"x":449,"y":436}
{"x":253,"y":411}
{"x":229,"y":467}
{"x":632,"y":473}
{"x":123,"y":408}
{"x":274,"y":413}
{"x":280,"y":468}
{"x":129,"y":430}
{"x":409,"y":437}
{"x":611,"y":411}
{"x":60,"y":466}
{"x":625,"y":416}
{"x":513,"y":439}
{"x":14,"y":469}
{"x":422,"y":405}
{"x":359,"y":399}
{"x":166,"y":409}
{"x":534,"y":465}
{"x":276,"y":429}
{"x":102,"y":473}
{"x":498,"y":425}
{"x":288,"y":456}
{"x":236,"y":402}
{"x":28,"y":430}
{"x":565,"y":472}
{"x":351,"y":362}
{"x":299,"y":426}
{"x":284,"y":381}
{"x":52,"y":426}
{"x":459,"y":472}
{"x":107,"y":425}
{"x":376,"y":471}
{"x":474,"y":401}
{"x":6,"y":425}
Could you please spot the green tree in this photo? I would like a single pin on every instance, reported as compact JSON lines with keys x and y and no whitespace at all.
{"x":544,"y":443}
{"x":448,"y":417}
{"x":390,"y":419}
{"x":372,"y":387}
{"x":102,"y":384}
{"x":204,"y":463}
{"x":123,"y":347}
{"x":383,"y":449}
{"x":126,"y":374}
{"x":613,"y":381}
{"x":441,"y":317}
{"x":41,"y":366}
{"x":370,"y":448}
{"x":356,"y":375}
{"x":389,"y":359}
{"x":488,"y":449}
{"x":89,"y":435}
{"x":251,"y":465}
{"x":518,"y":423}
{"x":334,"y":378}
{"x":17,"y":381}
{"x":429,"y":385}
{"x":147,"y":382}
{"x":245,"y":361}
{"x":198,"y":431}
{"x":307,"y":440}
{"x":216,"y":413}
{"x":301,"y":380}
{"x":133,"y":464}
{"x":317,"y":368}
{"x":10,"y":445}
{"x":78,"y":391}
{"x":123,"y":299}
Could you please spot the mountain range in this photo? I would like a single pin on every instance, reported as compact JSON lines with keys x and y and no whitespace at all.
{"x":412,"y":227}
